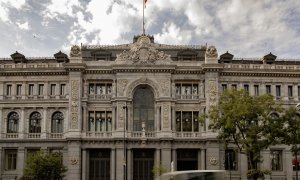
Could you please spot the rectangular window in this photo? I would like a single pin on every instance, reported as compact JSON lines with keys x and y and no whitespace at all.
{"x":100,"y":121}
{"x":224,"y":87}
{"x":256,"y":90}
{"x":19,"y":89}
{"x":276,"y":160}
{"x":290,"y":91}
{"x":10,"y":159}
{"x":91,"y":89}
{"x":62,"y":89}
{"x":230,"y":159}
{"x":187,"y":121}
{"x":268,"y":89}
{"x":30,"y":89}
{"x":8,"y":90}
{"x":278,"y":91}
{"x":234,"y":86}
{"x":41,"y":89}
{"x":52,"y":90}
{"x":246,"y":87}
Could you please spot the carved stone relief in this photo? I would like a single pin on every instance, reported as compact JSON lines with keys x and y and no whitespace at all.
{"x":211,"y":52}
{"x":164,"y":85}
{"x":142,"y":52}
{"x":212,"y":92}
{"x":121,"y":114}
{"x":166,"y":115}
{"x":143,"y":81}
{"x":122,"y":83}
{"x":74,"y":103}
{"x":75,"y":51}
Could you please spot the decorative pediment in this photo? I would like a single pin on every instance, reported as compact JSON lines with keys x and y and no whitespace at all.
{"x":61,"y":57}
{"x":18,"y":57}
{"x":143,"y":52}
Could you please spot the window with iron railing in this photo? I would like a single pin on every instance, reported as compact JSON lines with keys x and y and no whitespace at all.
{"x":100,"y":121}
{"x":187,"y":121}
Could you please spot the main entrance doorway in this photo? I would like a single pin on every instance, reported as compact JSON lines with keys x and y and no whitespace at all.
{"x":99,"y":168}
{"x":187,"y":159}
{"x":143,"y":162}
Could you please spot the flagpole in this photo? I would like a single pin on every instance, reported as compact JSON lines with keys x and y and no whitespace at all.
{"x":143,"y":17}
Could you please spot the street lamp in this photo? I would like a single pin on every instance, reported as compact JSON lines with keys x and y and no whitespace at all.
{"x":124,"y":143}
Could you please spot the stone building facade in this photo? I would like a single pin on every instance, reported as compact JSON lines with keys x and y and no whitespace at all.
{"x":117,"y":111}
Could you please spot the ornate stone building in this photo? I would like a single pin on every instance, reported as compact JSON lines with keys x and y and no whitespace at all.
{"x":116,"y":111}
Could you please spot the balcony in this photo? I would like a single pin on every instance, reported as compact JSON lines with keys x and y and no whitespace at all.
{"x":99,"y":134}
{"x":140,"y":134}
{"x":187,"y":134}
{"x":33,"y":135}
{"x":10,"y":135}
{"x":99,"y":96}
{"x":55,"y":135}
{"x":190,"y":96}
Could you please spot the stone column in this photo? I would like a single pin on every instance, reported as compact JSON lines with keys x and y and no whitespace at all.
{"x":44,"y":124}
{"x":166,"y":158}
{"x":288,"y":164}
{"x":74,"y":160}
{"x":266,"y":164}
{"x":84,"y":165}
{"x":1,"y":127}
{"x":113,"y":164}
{"x":20,"y":160}
{"x":22,"y":124}
{"x":13,"y":91}
{"x":157,"y":157}
{"x":1,"y":90}
{"x":174,"y":159}
{"x":243,"y":166}
{"x":120,"y":164}
{"x":199,"y":159}
{"x":203,"y":154}
{"x":213,"y":160}
{"x":129,"y":164}
{"x":2,"y":164}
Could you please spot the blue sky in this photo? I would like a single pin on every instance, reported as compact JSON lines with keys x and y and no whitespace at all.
{"x":245,"y":28}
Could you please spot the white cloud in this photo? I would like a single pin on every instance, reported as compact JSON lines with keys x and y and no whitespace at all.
{"x":23,"y":26}
{"x":172,"y":34}
{"x":5,"y":5}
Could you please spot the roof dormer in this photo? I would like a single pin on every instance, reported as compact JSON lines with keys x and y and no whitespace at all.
{"x":269,"y":58}
{"x":187,"y":55}
{"x":61,"y":57}
{"x":226,"y":57}
{"x":18,"y":57}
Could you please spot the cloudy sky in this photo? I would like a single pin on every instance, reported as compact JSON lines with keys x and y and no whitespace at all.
{"x":246,"y":28}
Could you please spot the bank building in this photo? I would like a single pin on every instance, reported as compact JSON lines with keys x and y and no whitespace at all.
{"x":116,"y":111}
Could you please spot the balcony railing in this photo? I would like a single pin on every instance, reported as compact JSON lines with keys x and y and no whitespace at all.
{"x":190,"y":96}
{"x":99,"y":134}
{"x":139,"y":134}
{"x":34,"y":135}
{"x":55,"y":135}
{"x":187,"y":134}
{"x":10,"y":135}
{"x":100,"y":96}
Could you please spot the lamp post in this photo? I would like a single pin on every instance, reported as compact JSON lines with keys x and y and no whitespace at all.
{"x":124,"y":143}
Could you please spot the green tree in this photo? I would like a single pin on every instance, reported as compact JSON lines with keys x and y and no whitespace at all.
{"x":249,"y":122}
{"x":291,"y":129}
{"x":44,"y":166}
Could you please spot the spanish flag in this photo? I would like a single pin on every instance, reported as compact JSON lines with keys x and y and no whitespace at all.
{"x":145,"y":1}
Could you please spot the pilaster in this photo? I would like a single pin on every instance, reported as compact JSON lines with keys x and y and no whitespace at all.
{"x":74,"y":160}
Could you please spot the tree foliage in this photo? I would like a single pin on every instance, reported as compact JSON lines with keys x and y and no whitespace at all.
{"x":250,"y":122}
{"x":44,"y":166}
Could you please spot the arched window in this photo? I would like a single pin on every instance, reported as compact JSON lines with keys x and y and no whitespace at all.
{"x":143,"y":109}
{"x":57,"y":122}
{"x":12,"y":122}
{"x":35,"y":122}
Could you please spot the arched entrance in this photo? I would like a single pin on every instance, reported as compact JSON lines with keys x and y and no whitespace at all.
{"x":143,"y":108}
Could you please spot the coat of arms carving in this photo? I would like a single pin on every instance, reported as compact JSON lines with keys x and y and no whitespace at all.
{"x":143,"y":52}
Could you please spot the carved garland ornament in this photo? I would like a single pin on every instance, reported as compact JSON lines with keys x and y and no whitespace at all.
{"x":211,"y":52}
{"x":213,"y":161}
{"x":142,"y":52}
{"x":75,"y":51}
{"x":165,"y":115}
{"x":122,"y":83}
{"x":212,"y":93}
{"x":74,"y":104}
{"x":165,"y":86}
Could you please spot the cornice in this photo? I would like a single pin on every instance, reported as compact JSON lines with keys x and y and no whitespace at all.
{"x":75,"y":66}
{"x":260,"y":74}
{"x":34,"y":73}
